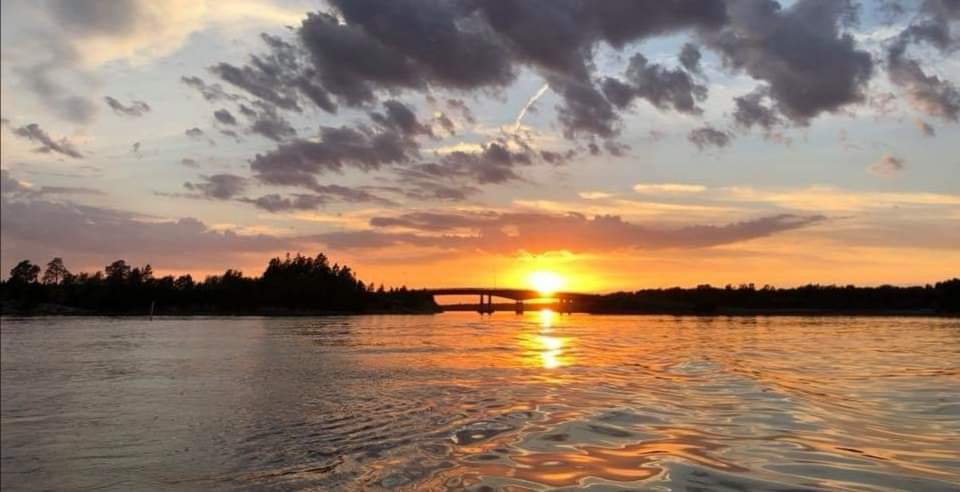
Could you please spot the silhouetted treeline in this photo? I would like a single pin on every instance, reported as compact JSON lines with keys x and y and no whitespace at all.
{"x":293,"y":285}
{"x":943,"y":297}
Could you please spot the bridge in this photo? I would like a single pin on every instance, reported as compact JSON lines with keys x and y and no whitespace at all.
{"x":567,"y":302}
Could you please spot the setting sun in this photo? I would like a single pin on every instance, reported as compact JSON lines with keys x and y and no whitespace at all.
{"x":546,"y":282}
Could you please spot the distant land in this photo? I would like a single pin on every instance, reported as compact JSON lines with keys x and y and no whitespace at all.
{"x":301,"y":285}
{"x":297,"y":285}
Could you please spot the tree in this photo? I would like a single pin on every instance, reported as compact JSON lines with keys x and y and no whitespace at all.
{"x":56,"y":272}
{"x":183,"y":282}
{"x":24,"y":273}
{"x":117,"y":271}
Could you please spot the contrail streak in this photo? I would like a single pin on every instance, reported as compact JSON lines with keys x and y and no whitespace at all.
{"x":523,"y":112}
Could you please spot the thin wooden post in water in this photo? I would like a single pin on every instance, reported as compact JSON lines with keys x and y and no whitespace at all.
{"x":152,"y":305}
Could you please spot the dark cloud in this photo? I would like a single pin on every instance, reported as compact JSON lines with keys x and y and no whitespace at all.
{"x":422,"y":42}
{"x":261,"y":80}
{"x":495,"y":163}
{"x":224,"y":116}
{"x":690,"y":58}
{"x":218,"y":186}
{"x":194,"y":132}
{"x":400,"y":118}
{"x":349,"y":195}
{"x":275,"y":203}
{"x":934,"y":24}
{"x":363,"y":50}
{"x":323,"y":195}
{"x":280,"y":78}
{"x":270,"y":124}
{"x":35,"y":134}
{"x":593,"y":148}
{"x":186,"y":161}
{"x":135,"y":108}
{"x":210,"y":92}
{"x":556,"y":158}
{"x":888,"y":165}
{"x":615,"y":148}
{"x":247,"y":111}
{"x":135,"y":148}
{"x":927,"y":93}
{"x":661,"y":87}
{"x":461,"y":107}
{"x":445,"y":123}
{"x":15,"y":188}
{"x":438,"y":221}
{"x":366,"y":52}
{"x":257,"y":82}
{"x":454,"y":176}
{"x":41,"y":79}
{"x":299,"y":162}
{"x":925,"y":128}
{"x":368,"y":47}
{"x":432,"y":181}
{"x":750,"y":110}
{"x":232,"y":134}
{"x":707,"y":136}
{"x":266,"y":121}
{"x":585,"y":111}
{"x":538,"y":232}
{"x":807,"y":63}
{"x":576,"y":28}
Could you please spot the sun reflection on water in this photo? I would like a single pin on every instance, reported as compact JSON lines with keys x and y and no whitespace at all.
{"x":549,"y":350}
{"x":546,"y":319}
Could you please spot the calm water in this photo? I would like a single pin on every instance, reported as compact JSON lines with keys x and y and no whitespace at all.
{"x":455,"y":401}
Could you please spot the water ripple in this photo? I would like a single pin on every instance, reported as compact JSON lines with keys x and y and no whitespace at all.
{"x":457,"y":401}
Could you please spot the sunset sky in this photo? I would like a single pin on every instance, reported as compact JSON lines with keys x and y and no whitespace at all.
{"x":432,"y":143}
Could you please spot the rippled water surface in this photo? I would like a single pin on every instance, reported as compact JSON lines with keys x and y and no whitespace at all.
{"x":504,"y":402}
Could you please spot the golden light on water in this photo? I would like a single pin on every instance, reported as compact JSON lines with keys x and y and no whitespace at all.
{"x":546,"y":349}
{"x":551,"y":354}
{"x":546,"y":282}
{"x":546,"y":318}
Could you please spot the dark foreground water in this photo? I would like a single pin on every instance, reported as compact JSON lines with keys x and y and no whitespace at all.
{"x":505,"y":402}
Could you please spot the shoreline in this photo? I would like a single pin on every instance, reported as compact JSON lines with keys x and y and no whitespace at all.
{"x":56,"y":310}
{"x":730,"y":313}
{"x":790,"y":312}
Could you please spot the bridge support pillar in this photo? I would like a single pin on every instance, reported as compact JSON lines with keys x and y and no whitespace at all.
{"x":519,"y":307}
{"x":486,"y":304}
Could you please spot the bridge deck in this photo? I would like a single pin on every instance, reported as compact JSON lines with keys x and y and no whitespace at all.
{"x":515,"y":294}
